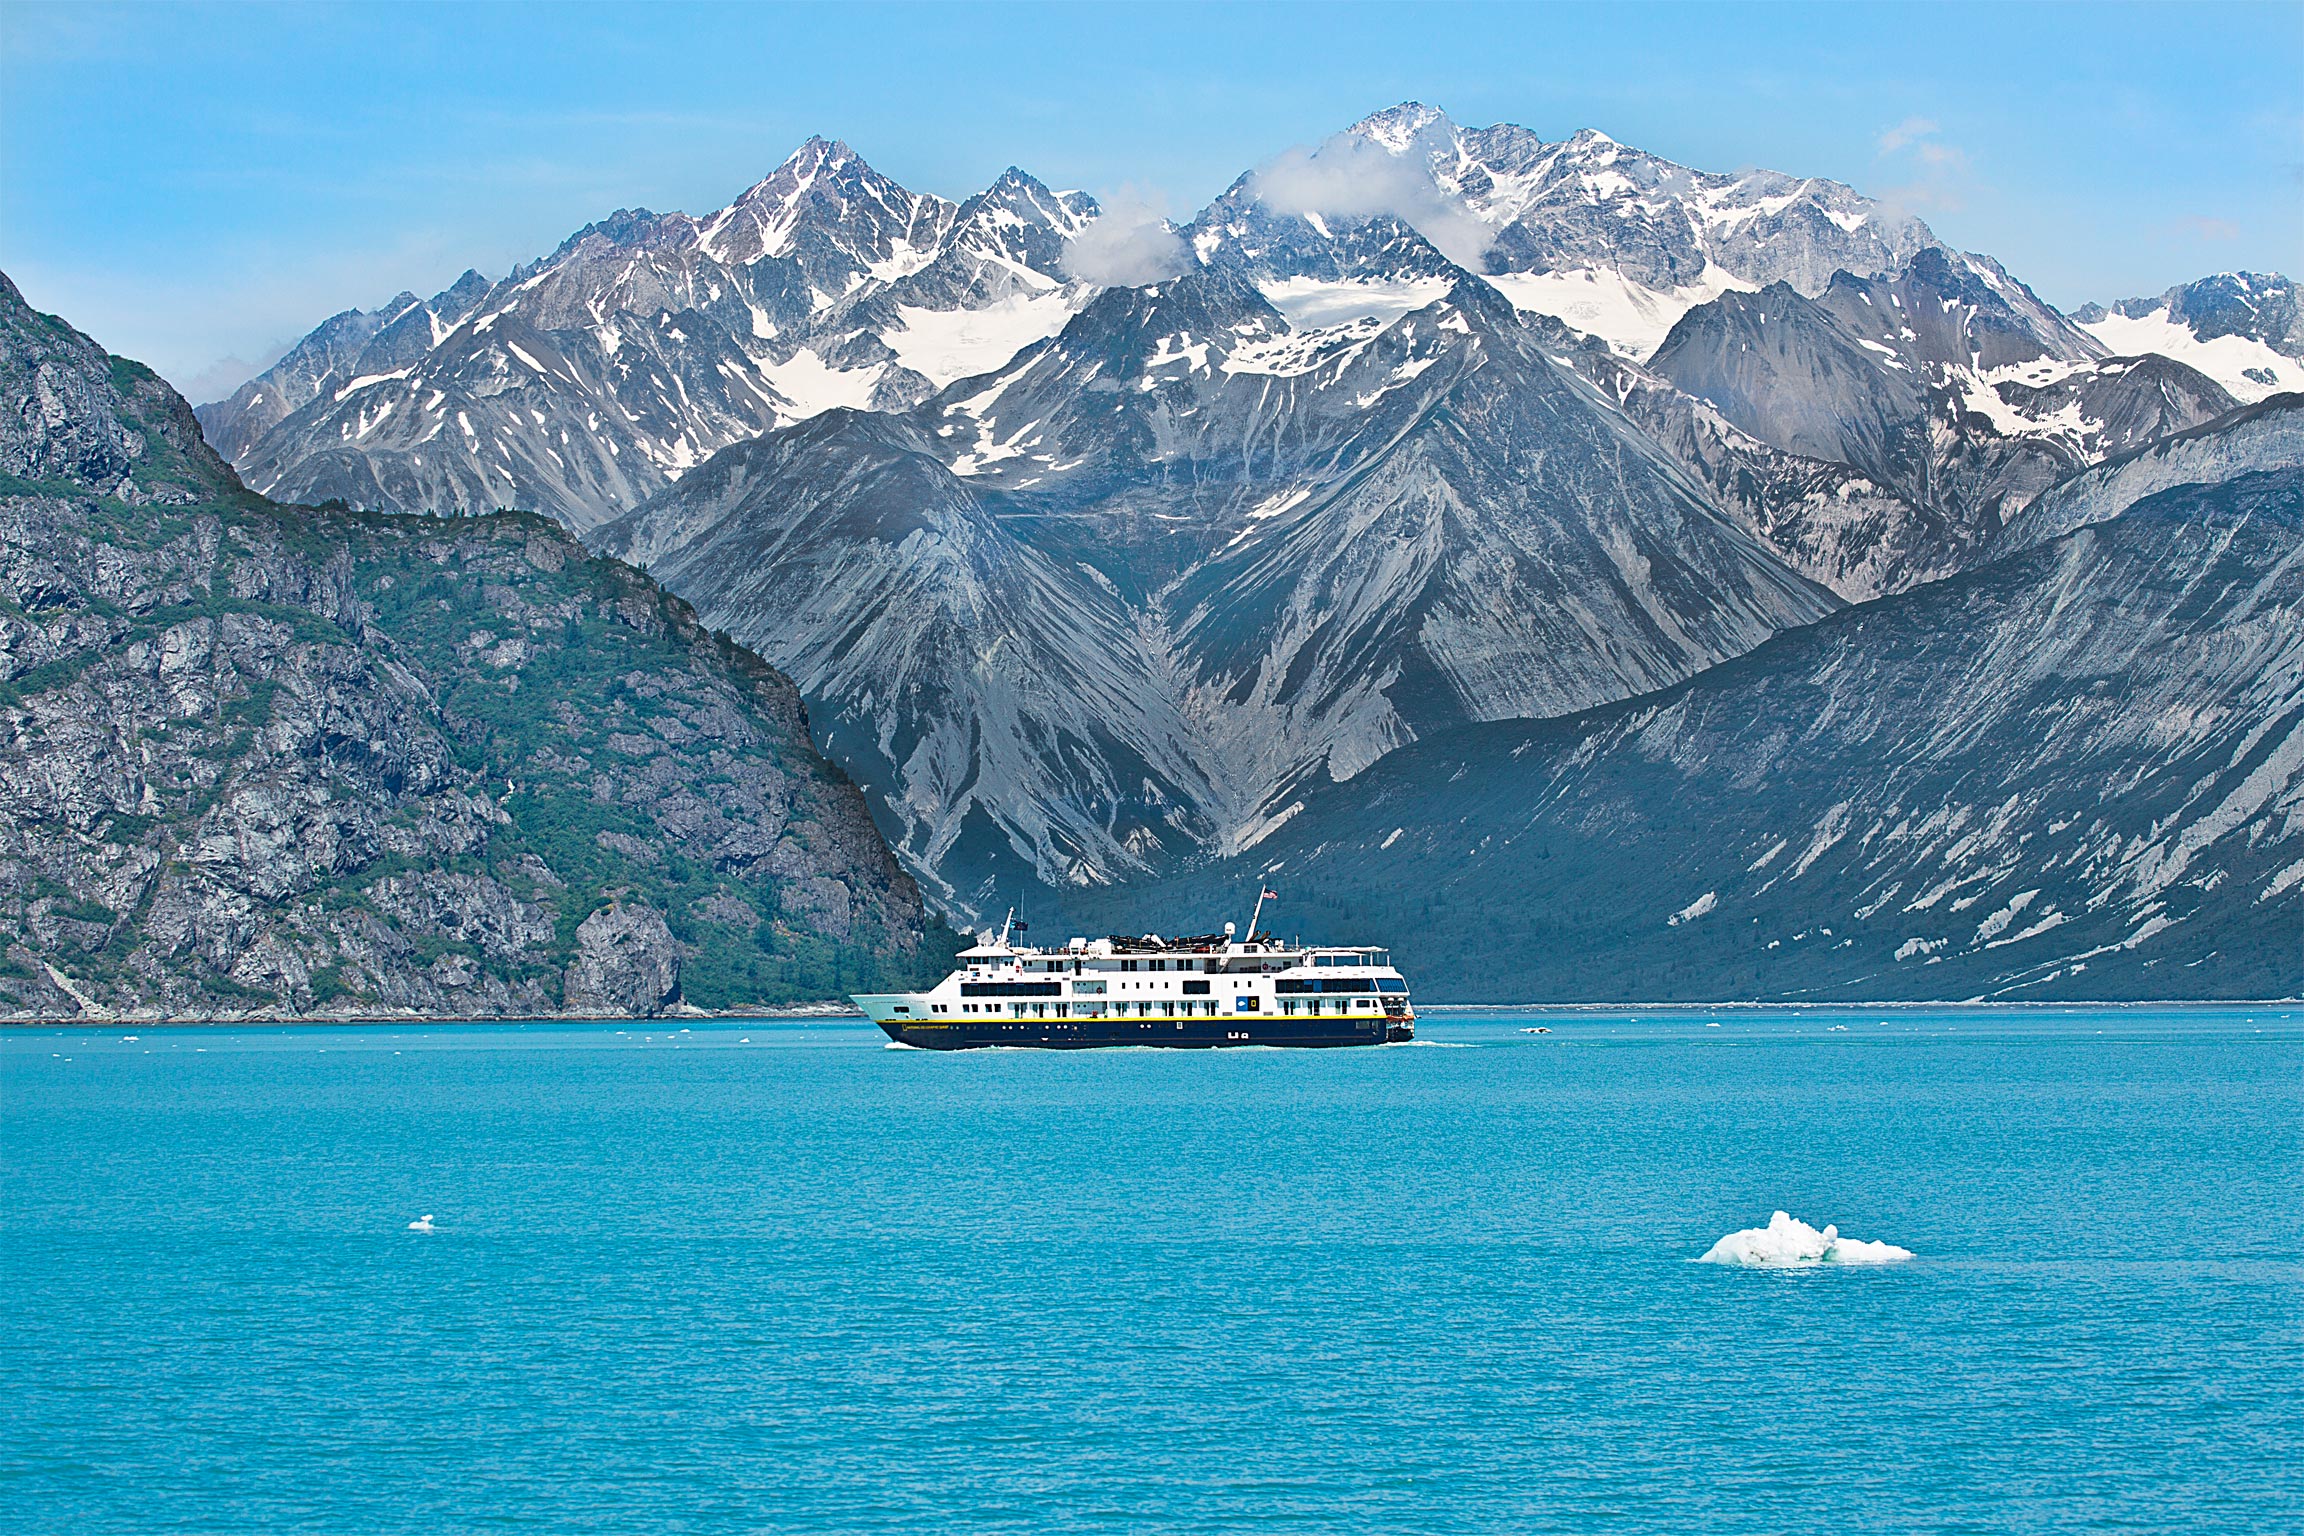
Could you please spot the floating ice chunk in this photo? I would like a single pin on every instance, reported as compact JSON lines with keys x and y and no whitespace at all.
{"x":421,"y":1224}
{"x":1789,"y":1244}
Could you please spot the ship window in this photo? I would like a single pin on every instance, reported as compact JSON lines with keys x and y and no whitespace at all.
{"x":1195,"y":989}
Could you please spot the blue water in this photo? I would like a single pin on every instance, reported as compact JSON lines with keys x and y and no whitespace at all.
{"x":776,"y":1277}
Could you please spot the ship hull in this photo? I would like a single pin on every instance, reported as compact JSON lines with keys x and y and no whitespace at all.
{"x":1197,"y":1033}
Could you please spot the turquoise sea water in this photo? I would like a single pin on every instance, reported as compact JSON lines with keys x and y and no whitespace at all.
{"x":774,"y":1277}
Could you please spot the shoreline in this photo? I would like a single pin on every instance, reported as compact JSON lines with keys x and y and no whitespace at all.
{"x":827,"y":1009}
{"x":846,"y":1011}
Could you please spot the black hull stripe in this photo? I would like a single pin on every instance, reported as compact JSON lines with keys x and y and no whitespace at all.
{"x":1198,"y":1034}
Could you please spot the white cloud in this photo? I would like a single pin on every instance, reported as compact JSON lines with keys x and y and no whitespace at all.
{"x":2203,"y":227}
{"x":1940,"y":180}
{"x":1905,"y":132}
{"x":1130,"y":243}
{"x":1350,"y":177}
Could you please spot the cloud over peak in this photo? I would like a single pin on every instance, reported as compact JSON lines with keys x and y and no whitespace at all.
{"x":1356,"y":176}
{"x":1129,"y":244}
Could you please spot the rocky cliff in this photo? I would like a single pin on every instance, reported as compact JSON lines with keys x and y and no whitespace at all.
{"x":2075,"y":772}
{"x":260,"y":760}
{"x":1108,"y":606}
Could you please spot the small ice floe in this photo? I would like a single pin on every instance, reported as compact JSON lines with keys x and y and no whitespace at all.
{"x":128,"y":1039}
{"x":1789,"y":1244}
{"x":1837,"y":1029}
{"x":421,"y":1224}
{"x":1711,"y":1023}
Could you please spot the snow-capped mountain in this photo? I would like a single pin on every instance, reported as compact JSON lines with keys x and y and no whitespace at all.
{"x":2245,"y":330}
{"x":338,"y":350}
{"x":1616,"y":242}
{"x":1425,"y":427}
{"x":1947,"y":382}
{"x":586,"y":381}
{"x":1107,"y":607}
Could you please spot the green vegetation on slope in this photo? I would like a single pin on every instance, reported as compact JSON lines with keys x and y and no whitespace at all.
{"x":304,"y":760}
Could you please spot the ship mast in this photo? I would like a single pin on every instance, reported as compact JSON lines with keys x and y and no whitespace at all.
{"x":1261,"y":893}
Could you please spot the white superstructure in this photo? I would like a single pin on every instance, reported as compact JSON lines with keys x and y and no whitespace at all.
{"x":1210,"y":990}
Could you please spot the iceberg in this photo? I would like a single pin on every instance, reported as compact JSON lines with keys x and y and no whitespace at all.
{"x":1787,"y":1243}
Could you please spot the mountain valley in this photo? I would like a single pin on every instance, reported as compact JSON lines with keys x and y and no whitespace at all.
{"x":1413,"y":435}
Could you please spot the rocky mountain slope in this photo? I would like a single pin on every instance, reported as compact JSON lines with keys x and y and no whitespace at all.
{"x":1947,"y":383}
{"x":1425,"y":426}
{"x":2245,"y":330}
{"x":268,"y":760}
{"x":1107,"y":606}
{"x":586,"y":381}
{"x":1613,"y":241}
{"x":2077,"y":771}
{"x":2261,"y":438}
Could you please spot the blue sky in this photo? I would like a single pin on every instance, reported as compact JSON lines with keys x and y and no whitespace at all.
{"x":197,"y":183}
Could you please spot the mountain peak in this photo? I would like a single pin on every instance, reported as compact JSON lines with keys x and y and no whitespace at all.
{"x":1396,"y":128}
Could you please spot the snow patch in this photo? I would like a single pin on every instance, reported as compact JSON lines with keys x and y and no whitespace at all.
{"x":949,"y":344}
{"x":1282,"y":501}
{"x":1313,"y":303}
{"x":815,"y":386}
{"x":2226,"y":359}
{"x":1602,"y":302}
{"x":366,"y":379}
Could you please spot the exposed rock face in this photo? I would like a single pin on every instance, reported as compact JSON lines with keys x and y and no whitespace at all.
{"x":2262,"y":437}
{"x":626,"y":962}
{"x":584,"y":382}
{"x":389,"y":338}
{"x":1614,"y":241}
{"x":262,"y":760}
{"x":1428,"y":426}
{"x":2077,"y":772}
{"x":2243,"y":329}
{"x":1107,"y":606}
{"x":1948,"y":385}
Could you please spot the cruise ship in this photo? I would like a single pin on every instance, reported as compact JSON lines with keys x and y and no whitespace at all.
{"x":1213,"y":990}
